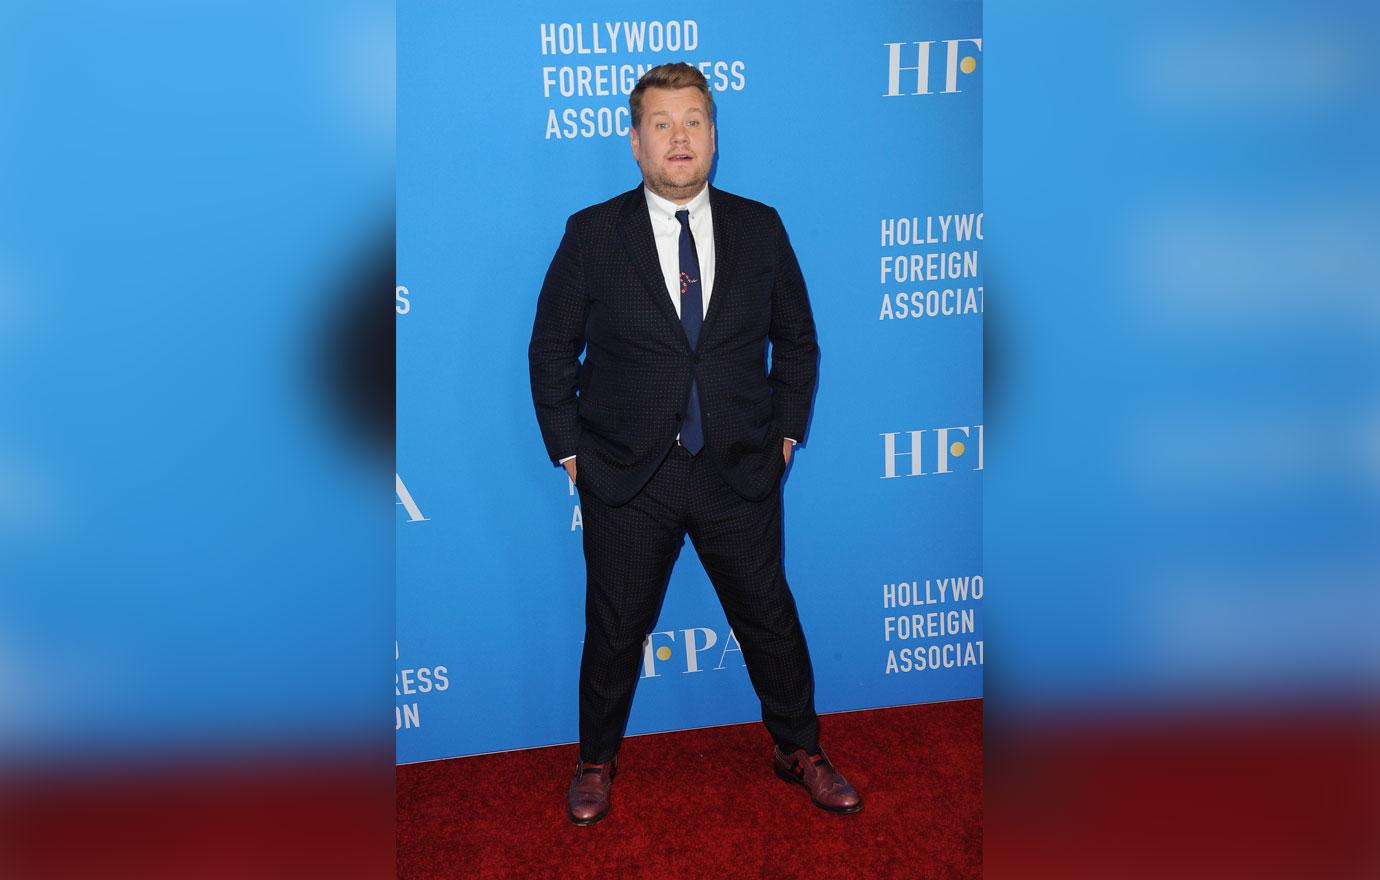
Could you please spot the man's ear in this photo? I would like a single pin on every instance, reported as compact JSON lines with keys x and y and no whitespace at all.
{"x":635,"y":142}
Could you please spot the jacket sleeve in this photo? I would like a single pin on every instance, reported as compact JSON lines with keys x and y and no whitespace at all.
{"x":794,"y":349}
{"x":558,"y":337}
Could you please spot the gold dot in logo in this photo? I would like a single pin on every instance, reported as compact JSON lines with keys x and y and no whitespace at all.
{"x":957,"y":448}
{"x":968,"y":64}
{"x":663,"y":653}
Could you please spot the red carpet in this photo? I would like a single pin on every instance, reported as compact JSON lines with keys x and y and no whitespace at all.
{"x":704,"y":803}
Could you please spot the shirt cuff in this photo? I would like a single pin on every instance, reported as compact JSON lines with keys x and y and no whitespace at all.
{"x":564,"y":460}
{"x":793,"y":441}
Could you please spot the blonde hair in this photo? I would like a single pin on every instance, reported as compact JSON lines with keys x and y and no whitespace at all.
{"x":676,"y":75}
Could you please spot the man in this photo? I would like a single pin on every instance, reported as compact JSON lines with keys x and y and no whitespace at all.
{"x":673,"y":291}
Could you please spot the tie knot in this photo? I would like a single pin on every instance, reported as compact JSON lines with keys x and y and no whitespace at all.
{"x":683,"y":216}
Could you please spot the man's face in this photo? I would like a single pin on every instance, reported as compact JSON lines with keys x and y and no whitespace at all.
{"x":674,"y":143}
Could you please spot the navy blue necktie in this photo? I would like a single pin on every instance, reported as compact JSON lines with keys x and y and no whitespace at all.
{"x":691,"y":318}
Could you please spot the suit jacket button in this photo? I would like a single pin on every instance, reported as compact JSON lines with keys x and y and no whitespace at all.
{"x":677,"y":417}
{"x":695,"y":359}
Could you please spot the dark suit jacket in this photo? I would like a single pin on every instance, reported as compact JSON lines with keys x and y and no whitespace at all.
{"x":620,"y":409}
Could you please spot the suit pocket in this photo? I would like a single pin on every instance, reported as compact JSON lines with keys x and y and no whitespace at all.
{"x":762,"y":275}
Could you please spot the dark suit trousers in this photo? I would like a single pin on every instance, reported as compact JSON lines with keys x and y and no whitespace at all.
{"x":629,"y":552}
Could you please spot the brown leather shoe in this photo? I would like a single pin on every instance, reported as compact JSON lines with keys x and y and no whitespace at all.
{"x":827,"y":787}
{"x":588,"y":799}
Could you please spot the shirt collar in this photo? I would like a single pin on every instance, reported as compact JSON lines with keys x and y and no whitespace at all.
{"x":666,"y":208}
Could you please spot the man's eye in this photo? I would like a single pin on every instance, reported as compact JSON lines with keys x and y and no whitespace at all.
{"x":693,"y":122}
{"x":662,"y":125}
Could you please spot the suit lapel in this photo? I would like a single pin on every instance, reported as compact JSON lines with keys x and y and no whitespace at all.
{"x":641,"y":247}
{"x":725,"y":234}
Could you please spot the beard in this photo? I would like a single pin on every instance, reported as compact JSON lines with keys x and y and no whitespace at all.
{"x":678,"y":188}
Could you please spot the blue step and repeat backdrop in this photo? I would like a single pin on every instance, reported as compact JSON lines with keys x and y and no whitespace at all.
{"x":862,"y":125}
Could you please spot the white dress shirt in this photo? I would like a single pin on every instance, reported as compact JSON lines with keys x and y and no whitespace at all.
{"x":666,"y":231}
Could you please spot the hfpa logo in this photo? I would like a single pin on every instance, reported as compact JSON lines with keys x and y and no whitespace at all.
{"x":695,"y":641}
{"x":921,"y":69}
{"x":414,"y":513}
{"x":946,"y":453}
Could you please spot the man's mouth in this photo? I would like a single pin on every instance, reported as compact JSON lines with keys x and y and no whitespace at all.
{"x":680,"y":157}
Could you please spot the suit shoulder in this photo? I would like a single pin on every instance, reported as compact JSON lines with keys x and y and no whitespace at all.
{"x":604,"y":212}
{"x":747,"y":209}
